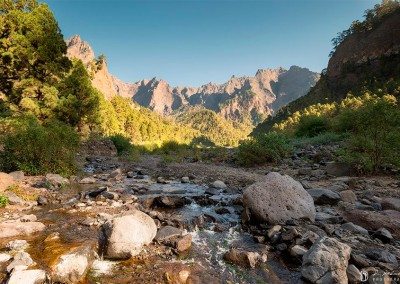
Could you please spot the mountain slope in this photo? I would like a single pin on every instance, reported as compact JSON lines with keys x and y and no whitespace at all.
{"x":238,"y":99}
{"x":366,"y":55}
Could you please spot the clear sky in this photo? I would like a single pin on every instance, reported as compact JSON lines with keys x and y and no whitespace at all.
{"x":195,"y":42}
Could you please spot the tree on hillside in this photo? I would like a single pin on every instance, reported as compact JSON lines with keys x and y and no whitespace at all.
{"x":32,"y":58}
{"x":79,"y":101}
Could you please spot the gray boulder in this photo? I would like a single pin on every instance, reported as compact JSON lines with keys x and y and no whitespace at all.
{"x":326,"y":262}
{"x":277,"y":199}
{"x":6,"y":181}
{"x":56,"y":180}
{"x":125,"y":236}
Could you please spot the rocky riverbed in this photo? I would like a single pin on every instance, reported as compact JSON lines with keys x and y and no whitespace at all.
{"x":305,"y":220}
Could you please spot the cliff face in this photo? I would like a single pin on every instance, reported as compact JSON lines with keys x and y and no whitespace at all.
{"x":253,"y":97}
{"x":367,"y":58}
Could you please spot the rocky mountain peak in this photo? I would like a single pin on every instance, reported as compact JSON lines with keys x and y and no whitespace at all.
{"x":77,"y":48}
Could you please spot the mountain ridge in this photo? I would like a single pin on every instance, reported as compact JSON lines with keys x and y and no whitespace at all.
{"x":254,"y":97}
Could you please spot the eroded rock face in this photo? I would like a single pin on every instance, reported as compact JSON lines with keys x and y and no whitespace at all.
{"x":278,"y":199}
{"x":326,"y":262}
{"x":125,"y":236}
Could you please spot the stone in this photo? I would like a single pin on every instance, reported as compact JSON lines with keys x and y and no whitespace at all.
{"x":183,"y":243}
{"x":324,"y":196}
{"x":273,"y":231}
{"x":14,"y":199}
{"x":360,"y":260}
{"x":326,"y":262}
{"x":41,"y":201}
{"x":219,"y":184}
{"x":115,"y":174}
{"x":6,"y":181}
{"x":125,"y":236}
{"x":384,"y":235}
{"x":277,"y":199}
{"x":17,"y":245}
{"x":338,"y":169}
{"x":4,"y":257}
{"x":56,"y":180}
{"x":185,"y":180}
{"x":170,"y":201}
{"x":243,"y":258}
{"x":381,"y":255}
{"x":390,"y":203}
{"x":100,"y":267}
{"x":17,"y":175}
{"x":28,"y":218}
{"x":353,"y":274}
{"x":327,"y":218}
{"x":34,"y":276}
{"x":354,"y":228}
{"x":87,"y":180}
{"x":297,"y":251}
{"x":72,"y":266}
{"x":16,"y":228}
{"x":21,"y":258}
{"x":96,"y":192}
{"x":348,"y":196}
{"x":167,"y":232}
{"x":212,"y":191}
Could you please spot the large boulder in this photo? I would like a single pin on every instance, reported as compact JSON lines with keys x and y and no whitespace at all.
{"x":277,"y":199}
{"x":6,"y":181}
{"x":326,"y":262}
{"x":124,"y":236}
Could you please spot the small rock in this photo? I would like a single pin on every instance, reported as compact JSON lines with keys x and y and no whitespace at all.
{"x":130,"y":174}
{"x":20,"y":259}
{"x":273,"y":231}
{"x":184,"y":243}
{"x":390,"y":203}
{"x":34,"y":276}
{"x":17,"y":245}
{"x":12,"y":229}
{"x":348,"y":196}
{"x":116,"y":174}
{"x":297,"y":251}
{"x":87,"y":180}
{"x":41,"y":200}
{"x":185,"y":180}
{"x":212,"y":191}
{"x":384,"y":235}
{"x":289,"y":235}
{"x":161,"y":180}
{"x":242,"y":258}
{"x":324,"y":196}
{"x":353,"y":274}
{"x":219,"y":184}
{"x":56,"y":180}
{"x":354,"y":228}
{"x":4,"y":257}
{"x":167,"y":232}
{"x":28,"y":218}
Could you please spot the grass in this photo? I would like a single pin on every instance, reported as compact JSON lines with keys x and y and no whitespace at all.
{"x":3,"y":201}
{"x":22,"y":193}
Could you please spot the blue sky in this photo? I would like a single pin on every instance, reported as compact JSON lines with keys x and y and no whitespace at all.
{"x":195,"y":42}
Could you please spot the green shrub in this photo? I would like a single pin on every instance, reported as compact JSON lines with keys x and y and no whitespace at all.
{"x":312,"y":125}
{"x":375,"y":135}
{"x":3,"y":201}
{"x":270,"y":147}
{"x":122,"y":143}
{"x":321,"y":139}
{"x":38,"y":148}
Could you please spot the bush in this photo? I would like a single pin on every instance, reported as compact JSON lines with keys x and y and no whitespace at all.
{"x":270,"y":147}
{"x":312,"y":125}
{"x":122,"y":143}
{"x":3,"y":201}
{"x":38,"y":148}
{"x":375,"y":135}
